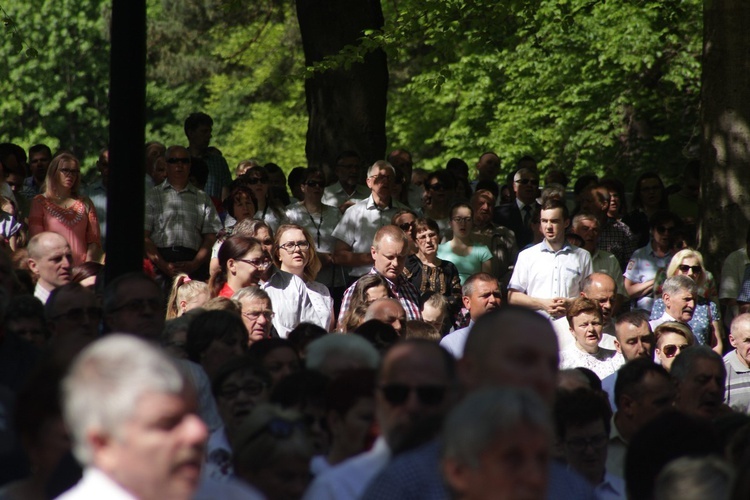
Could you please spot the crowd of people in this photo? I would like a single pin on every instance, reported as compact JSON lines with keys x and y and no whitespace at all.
{"x":370,"y":331}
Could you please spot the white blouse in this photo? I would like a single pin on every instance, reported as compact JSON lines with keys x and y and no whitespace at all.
{"x":604,"y":362}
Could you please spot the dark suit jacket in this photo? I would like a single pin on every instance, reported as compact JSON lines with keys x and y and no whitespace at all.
{"x":509,"y":215}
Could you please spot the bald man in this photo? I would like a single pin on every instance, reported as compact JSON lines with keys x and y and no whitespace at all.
{"x":600,"y":288}
{"x":390,"y":312}
{"x":51,"y":260}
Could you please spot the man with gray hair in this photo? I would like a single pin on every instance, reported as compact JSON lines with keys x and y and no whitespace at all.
{"x":700,"y":377}
{"x":334,"y":353}
{"x":679,"y":293}
{"x":356,"y":230}
{"x":132,"y":417}
{"x":737,"y":364}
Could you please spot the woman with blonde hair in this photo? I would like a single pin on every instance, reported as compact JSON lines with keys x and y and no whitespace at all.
{"x":706,"y":323}
{"x":186,"y":294}
{"x":670,"y":339}
{"x":61,"y":209}
{"x":367,"y":290}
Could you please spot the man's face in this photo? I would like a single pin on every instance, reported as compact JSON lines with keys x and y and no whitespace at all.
{"x":389,"y":257}
{"x":656,"y":395}
{"x":30,"y":329}
{"x":413,"y":387}
{"x":53,"y":268}
{"x":158,"y":450}
{"x":482,"y":206}
{"x":662,"y":234}
{"x":238,"y":395}
{"x":595,"y":201}
{"x":702,"y":392}
{"x":526,"y":184}
{"x":76,"y":312}
{"x":403,"y":162}
{"x":634,"y":341}
{"x":178,"y":166}
{"x":603,"y":291}
{"x":200,"y":137}
{"x":488,"y":166}
{"x":38,"y":163}
{"x":740,"y":340}
{"x":391,"y":313}
{"x":553,"y":225}
{"x":381,"y":183}
{"x":585,"y":448}
{"x":485,"y":297}
{"x":589,"y":231}
{"x":139,"y":309}
{"x":433,"y":316}
{"x":256,"y":317}
{"x":347,"y":170}
{"x":680,"y":305}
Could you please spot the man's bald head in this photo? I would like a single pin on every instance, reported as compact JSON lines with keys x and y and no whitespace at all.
{"x":512,"y":346}
{"x":390,"y":312}
{"x":51,"y":259}
{"x":600,"y":288}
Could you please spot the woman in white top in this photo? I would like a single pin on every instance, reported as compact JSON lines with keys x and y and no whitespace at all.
{"x":320,"y":220}
{"x":585,"y":320}
{"x":294,"y":252}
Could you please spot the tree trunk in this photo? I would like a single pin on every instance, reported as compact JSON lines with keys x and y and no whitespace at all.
{"x":725,"y":109}
{"x":346,"y":107}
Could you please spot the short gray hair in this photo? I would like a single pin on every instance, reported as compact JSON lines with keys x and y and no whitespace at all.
{"x":105,"y":382}
{"x":251,"y":293}
{"x":335,"y":344}
{"x":684,"y":363}
{"x":678,"y":283}
{"x":486,"y":414}
{"x":380,"y":165}
{"x":741,"y":321}
{"x":693,"y":478}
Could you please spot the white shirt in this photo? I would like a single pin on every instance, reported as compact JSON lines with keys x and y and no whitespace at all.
{"x":96,"y":485}
{"x":604,"y":362}
{"x":290,"y":302}
{"x":732,"y":274}
{"x":41,"y":293}
{"x":664,"y":318}
{"x":326,"y":220}
{"x":350,"y":478}
{"x":455,"y":341}
{"x":544,"y":273}
{"x":322,"y":303}
{"x":566,"y":340}
{"x":612,"y":488}
{"x":359,"y":224}
{"x":335,"y":195}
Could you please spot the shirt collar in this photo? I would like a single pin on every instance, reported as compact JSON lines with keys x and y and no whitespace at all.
{"x":372,"y":206}
{"x":736,"y":363}
{"x":614,"y":432}
{"x":546,"y":248}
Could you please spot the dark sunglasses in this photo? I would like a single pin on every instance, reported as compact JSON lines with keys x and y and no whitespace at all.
{"x":314,"y":184}
{"x":670,"y":350}
{"x":406,"y":226}
{"x":185,"y":161}
{"x":255,"y":180}
{"x":524,"y":182}
{"x":428,"y":395}
{"x":685,"y":268}
{"x":664,"y":229}
{"x":436,"y":187}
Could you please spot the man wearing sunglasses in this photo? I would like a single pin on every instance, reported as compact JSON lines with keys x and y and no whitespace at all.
{"x":517,"y":214}
{"x":679,"y":294}
{"x":181,"y":221}
{"x":416,"y":384}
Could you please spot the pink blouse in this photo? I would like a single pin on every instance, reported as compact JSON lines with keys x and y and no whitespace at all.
{"x":77,"y":224}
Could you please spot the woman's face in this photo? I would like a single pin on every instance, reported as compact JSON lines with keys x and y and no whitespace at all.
{"x":427,"y":241}
{"x":614,"y":204}
{"x":375,"y":293}
{"x":259,"y":184}
{"x":439,"y":193}
{"x":691,"y":268}
{"x":587,"y":330}
{"x":67,"y":175}
{"x":461,"y":222}
{"x":406,"y":223}
{"x":280,"y":363}
{"x":651,"y":192}
{"x":291,"y":253}
{"x":247,"y":270}
{"x":313,"y":188}
{"x":670,"y":345}
{"x":243,"y":207}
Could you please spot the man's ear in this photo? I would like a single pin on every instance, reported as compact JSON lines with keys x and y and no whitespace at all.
{"x":467,"y":302}
{"x":373,"y":252}
{"x":732,"y":341}
{"x":618,"y":347}
{"x":456,"y":475}
{"x":33,"y":267}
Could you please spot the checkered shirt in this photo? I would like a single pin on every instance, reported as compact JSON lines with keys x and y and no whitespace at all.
{"x":402,"y":290}
{"x":615,"y":237}
{"x":218,"y":173}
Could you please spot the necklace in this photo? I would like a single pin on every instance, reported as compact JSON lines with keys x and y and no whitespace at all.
{"x":317,"y":227}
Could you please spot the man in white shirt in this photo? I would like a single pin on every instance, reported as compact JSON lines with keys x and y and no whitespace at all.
{"x":132,"y":417}
{"x":481,"y":294}
{"x":346,"y":191}
{"x":51,"y":260}
{"x":415,"y":384}
{"x":356,"y":230}
{"x":549,"y":274}
{"x":679,"y":293}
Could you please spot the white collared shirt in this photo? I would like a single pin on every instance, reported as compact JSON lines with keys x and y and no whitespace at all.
{"x":455,"y":341}
{"x":290,"y":302}
{"x":544,"y":273}
{"x":335,"y":195}
{"x":96,"y":484}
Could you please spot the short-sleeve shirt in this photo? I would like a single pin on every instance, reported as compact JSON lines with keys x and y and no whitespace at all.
{"x":466,"y":264}
{"x":319,"y":225}
{"x":335,"y":195}
{"x":605,"y":262}
{"x":732,"y":274}
{"x":737,"y":391}
{"x":359,"y":224}
{"x":642,"y":267}
{"x":544,"y":273}
{"x":179,"y":218}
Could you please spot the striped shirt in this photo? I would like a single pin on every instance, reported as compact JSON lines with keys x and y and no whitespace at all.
{"x":737,"y":392}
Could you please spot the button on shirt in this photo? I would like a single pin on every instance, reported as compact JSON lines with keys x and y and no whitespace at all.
{"x":544,"y":273}
{"x":179,"y":218}
{"x":359,"y":224}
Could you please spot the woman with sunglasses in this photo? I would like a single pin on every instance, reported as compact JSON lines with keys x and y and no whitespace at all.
{"x":467,"y":255}
{"x":267,"y":209}
{"x":706,"y":323}
{"x":294,"y":252}
{"x":320,"y":220}
{"x":63,"y":210}
{"x":648,"y":198}
{"x":440,"y":188}
{"x":405,"y":220}
{"x":670,"y":339}
{"x":242,"y":262}
{"x":585,"y":321}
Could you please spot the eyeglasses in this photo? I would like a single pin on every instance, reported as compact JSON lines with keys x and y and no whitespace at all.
{"x":406,"y":226}
{"x":251,"y":389}
{"x":291,"y":245}
{"x":314,"y":184}
{"x":580,"y":444}
{"x":185,"y":161}
{"x":436,"y":187}
{"x":670,"y":350}
{"x":255,"y":315}
{"x":428,"y":395}
{"x":685,"y":269}
{"x":256,"y":180}
{"x":524,"y":182}
{"x":459,"y":220}
{"x":78,"y":314}
{"x":261,"y":264}
{"x":69,"y":172}
{"x":664,"y":229}
{"x":137,"y":306}
{"x":381,"y":178}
